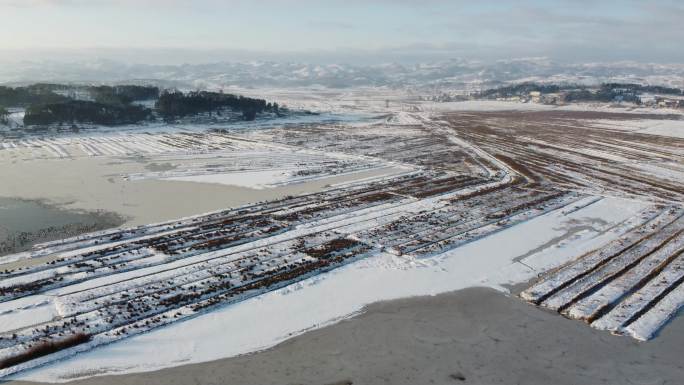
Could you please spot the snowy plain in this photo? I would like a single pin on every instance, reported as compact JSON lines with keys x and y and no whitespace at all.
{"x":511,"y":256}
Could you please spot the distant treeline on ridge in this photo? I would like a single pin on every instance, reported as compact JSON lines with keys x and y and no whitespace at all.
{"x":175,"y":104}
{"x":55,"y":104}
{"x":606,"y":92}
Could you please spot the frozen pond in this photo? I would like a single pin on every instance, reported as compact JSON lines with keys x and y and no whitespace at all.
{"x":24,"y":223}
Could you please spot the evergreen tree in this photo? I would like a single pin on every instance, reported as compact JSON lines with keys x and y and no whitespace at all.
{"x":4,"y":114}
{"x":175,"y":104}
{"x":77,"y":111}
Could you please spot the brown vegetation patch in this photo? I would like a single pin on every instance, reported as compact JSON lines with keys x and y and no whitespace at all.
{"x":45,"y":348}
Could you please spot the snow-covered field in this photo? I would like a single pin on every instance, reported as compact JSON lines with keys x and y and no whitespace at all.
{"x":263,"y":321}
{"x":496,"y":105}
{"x":181,"y":268}
{"x":671,"y":128}
{"x":624,"y":286}
{"x":452,"y":195}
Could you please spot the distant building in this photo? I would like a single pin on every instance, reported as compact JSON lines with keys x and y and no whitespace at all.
{"x":510,"y":99}
{"x":551,"y":99}
{"x":667,"y":102}
{"x":535,"y":96}
{"x":648,"y":100}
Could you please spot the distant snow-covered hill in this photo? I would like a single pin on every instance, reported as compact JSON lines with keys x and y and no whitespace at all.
{"x":457,"y":73}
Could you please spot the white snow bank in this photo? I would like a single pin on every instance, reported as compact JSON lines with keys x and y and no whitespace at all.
{"x":30,"y":310}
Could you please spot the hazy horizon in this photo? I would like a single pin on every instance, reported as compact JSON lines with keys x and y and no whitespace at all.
{"x":354,"y":32}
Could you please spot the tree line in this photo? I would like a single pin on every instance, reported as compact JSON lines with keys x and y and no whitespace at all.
{"x":50,"y":104}
{"x":175,"y":104}
{"x":103,"y":105}
{"x":603,"y":94}
{"x":606,"y":92}
{"x":519,"y":89}
{"x":4,"y":114}
{"x":125,"y":94}
{"x":640,"y":88}
{"x":26,"y":96}
{"x":78,"y":111}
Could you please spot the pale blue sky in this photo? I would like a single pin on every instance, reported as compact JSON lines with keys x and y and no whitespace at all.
{"x":383,"y":30}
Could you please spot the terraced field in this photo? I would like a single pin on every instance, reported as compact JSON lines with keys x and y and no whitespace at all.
{"x":631,"y":286}
{"x":124,"y":144}
{"x":465,"y":177}
{"x":566,"y":149}
{"x":114,"y":284}
{"x":409,"y":144}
